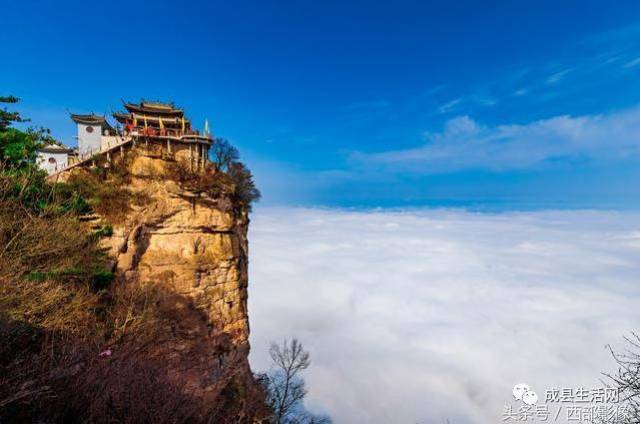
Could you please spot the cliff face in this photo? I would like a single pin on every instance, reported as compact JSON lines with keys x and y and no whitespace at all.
{"x":194,"y":248}
{"x":193,"y":244}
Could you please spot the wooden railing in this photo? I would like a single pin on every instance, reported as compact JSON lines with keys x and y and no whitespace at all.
{"x":109,"y":143}
{"x":154,"y":132}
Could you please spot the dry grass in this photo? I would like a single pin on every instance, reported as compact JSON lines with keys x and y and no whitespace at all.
{"x":52,"y":333}
{"x":104,"y":191}
{"x":105,"y":195}
{"x":40,"y":243}
{"x":40,"y":232}
{"x":50,"y":365}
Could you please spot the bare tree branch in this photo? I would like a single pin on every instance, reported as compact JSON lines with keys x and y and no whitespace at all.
{"x":285,"y":388}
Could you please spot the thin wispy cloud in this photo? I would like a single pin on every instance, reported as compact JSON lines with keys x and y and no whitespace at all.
{"x":467,"y":144}
{"x":612,"y":59}
{"x":450,"y":106}
{"x":431,"y":315}
{"x":485,"y":100}
{"x":521,"y":92}
{"x":557,"y":76}
{"x":593,"y":59}
{"x":632,"y":63}
{"x":436,"y":89}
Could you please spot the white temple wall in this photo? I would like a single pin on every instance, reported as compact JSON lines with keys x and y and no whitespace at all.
{"x":52,"y":162}
{"x":89,"y":138}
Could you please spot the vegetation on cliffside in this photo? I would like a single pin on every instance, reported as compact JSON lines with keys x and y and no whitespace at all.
{"x":62,"y":315}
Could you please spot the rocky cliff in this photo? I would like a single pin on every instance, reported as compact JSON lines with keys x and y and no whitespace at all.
{"x":193,"y":247}
{"x":189,"y":242}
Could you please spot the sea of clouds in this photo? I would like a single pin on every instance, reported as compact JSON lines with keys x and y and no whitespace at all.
{"x":432,"y":315}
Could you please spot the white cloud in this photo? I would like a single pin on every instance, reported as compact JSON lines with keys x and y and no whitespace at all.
{"x":426,"y":315}
{"x":467,"y":144}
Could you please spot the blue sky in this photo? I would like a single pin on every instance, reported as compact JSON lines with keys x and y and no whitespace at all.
{"x":496,"y":104}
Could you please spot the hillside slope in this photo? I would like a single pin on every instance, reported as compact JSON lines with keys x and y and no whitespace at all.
{"x":165,"y":338}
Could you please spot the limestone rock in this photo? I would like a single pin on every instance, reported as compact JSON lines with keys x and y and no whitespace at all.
{"x":196,"y":248}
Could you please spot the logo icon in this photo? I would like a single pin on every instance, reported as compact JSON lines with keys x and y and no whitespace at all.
{"x":523,"y":392}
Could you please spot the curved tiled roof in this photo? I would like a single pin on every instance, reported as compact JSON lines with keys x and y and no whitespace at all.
{"x":88,"y":119}
{"x":154,"y":108}
{"x":54,"y":148}
{"x":91,"y":119}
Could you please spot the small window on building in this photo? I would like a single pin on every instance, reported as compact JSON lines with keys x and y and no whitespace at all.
{"x":89,"y":129}
{"x":52,"y":160}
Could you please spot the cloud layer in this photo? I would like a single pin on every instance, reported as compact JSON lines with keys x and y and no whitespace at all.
{"x":466,"y":144}
{"x":427,"y":315}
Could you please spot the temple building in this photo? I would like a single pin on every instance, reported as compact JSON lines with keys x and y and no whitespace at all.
{"x":91,"y":129}
{"x":155,"y":121}
{"x":159,"y":128}
{"x":53,"y":157}
{"x":152,"y":118}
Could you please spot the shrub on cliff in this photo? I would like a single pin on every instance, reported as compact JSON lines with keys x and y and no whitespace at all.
{"x":224,"y":154}
{"x":236,"y":184}
{"x":209,"y":181}
{"x":245,"y":189}
{"x":103,"y":193}
{"x":227,"y":159}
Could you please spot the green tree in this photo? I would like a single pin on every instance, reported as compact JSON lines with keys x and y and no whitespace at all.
{"x":18,"y":149}
{"x":6,"y":117}
{"x":227,"y":159}
{"x":246,"y":190}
